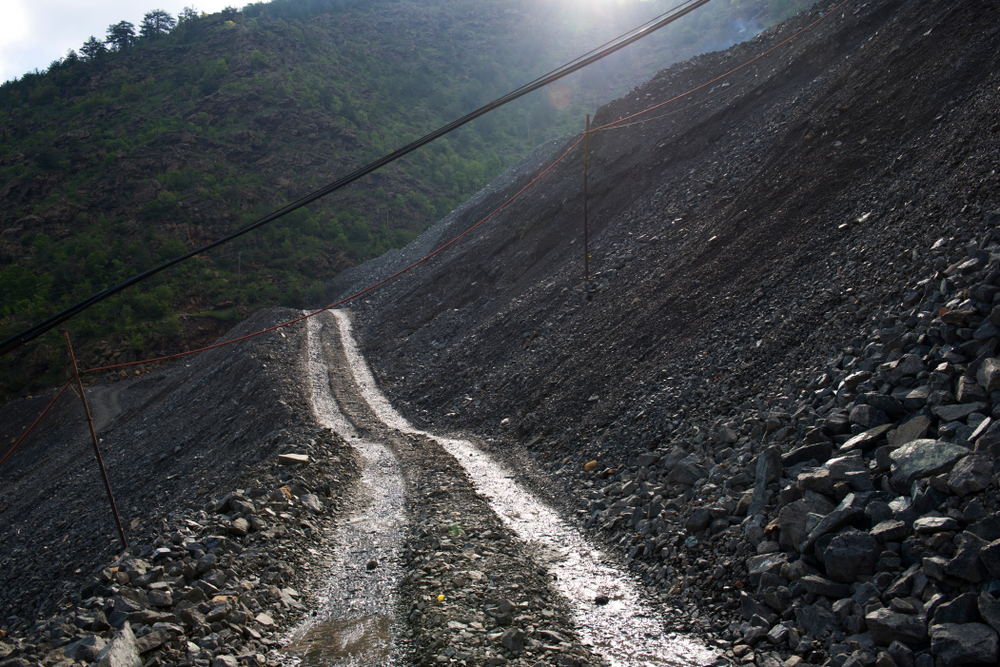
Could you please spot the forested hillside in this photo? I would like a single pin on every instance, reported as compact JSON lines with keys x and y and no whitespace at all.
{"x":146,"y":145}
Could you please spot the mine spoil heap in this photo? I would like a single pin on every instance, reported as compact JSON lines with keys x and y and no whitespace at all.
{"x":775,"y":400}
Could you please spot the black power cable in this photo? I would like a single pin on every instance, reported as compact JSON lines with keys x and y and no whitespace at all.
{"x":617,"y":44}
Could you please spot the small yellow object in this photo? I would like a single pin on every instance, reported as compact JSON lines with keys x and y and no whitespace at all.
{"x":440,"y":598}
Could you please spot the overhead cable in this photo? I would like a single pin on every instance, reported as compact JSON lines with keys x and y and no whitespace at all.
{"x":617,"y":44}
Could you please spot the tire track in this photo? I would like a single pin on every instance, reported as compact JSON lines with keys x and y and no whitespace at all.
{"x":627,"y":630}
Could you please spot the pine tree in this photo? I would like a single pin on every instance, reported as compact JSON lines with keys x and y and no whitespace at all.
{"x":121,"y":36}
{"x":156,"y":23}
{"x":93,"y":49}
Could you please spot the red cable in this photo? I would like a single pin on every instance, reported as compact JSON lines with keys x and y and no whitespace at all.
{"x":44,"y":412}
{"x":719,"y":78}
{"x":353,"y":296}
{"x":460,"y":236}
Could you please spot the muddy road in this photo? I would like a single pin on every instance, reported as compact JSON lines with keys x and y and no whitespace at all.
{"x":450,"y":560}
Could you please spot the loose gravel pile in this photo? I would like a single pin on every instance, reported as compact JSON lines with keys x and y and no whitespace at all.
{"x":784,"y":330}
{"x":226,"y":509}
{"x":773,"y":399}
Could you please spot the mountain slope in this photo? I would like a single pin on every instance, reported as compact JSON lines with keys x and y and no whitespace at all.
{"x":115,"y":164}
{"x":735,"y":233}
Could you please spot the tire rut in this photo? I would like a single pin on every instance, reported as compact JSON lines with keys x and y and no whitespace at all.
{"x":472,"y":592}
{"x":492,"y":575}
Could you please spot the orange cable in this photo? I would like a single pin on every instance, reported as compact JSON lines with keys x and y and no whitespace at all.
{"x":722,"y":76}
{"x":353,"y":296}
{"x":44,"y":412}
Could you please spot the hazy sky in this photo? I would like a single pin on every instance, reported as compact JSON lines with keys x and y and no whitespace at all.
{"x":33,"y":33}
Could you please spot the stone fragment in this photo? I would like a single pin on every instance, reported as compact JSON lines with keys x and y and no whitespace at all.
{"x":914,"y":429}
{"x":292,"y":459}
{"x":239,"y":527}
{"x":971,"y":474}
{"x":952,"y":412}
{"x":768,"y":470}
{"x":989,"y":610}
{"x":888,"y":626}
{"x":966,"y":564}
{"x":988,"y":375}
{"x":990,"y":555}
{"x":849,"y":510}
{"x":758,"y":565}
{"x":890,"y":530}
{"x":814,"y":619}
{"x":908,"y":365}
{"x":819,"y":451}
{"x":817,"y":585}
{"x":928,"y":525}
{"x":225,"y":661}
{"x":866,"y":440}
{"x":793,"y":518}
{"x":83,"y":650}
{"x":963,"y":609}
{"x":121,"y":651}
{"x":153,"y":640}
{"x":312,"y":503}
{"x":923,"y":458}
{"x":963,"y":644}
{"x":912,"y":398}
{"x":513,"y":640}
{"x":850,"y":555}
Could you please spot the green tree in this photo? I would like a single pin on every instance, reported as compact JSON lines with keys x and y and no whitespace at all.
{"x":121,"y":36}
{"x":93,"y":49}
{"x":155,"y":23}
{"x":189,"y":13}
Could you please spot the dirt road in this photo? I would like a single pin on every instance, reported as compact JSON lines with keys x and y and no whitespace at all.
{"x":488,"y":573}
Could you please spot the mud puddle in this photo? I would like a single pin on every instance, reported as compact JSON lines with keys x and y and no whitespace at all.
{"x":627,"y":630}
{"x":356,"y":623}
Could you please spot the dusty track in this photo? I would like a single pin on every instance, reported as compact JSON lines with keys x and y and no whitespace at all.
{"x":517,"y":583}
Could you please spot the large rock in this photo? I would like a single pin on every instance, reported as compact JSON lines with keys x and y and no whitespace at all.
{"x":923,"y":458}
{"x":793,"y":517}
{"x":850,"y":555}
{"x":963,"y":609}
{"x":890,"y":530}
{"x":909,"y":431}
{"x":963,"y":644}
{"x":888,"y":626}
{"x":951,"y":412}
{"x":988,"y":375}
{"x":868,"y":439}
{"x":971,"y":474}
{"x":817,"y":585}
{"x":758,"y":565}
{"x":121,"y":651}
{"x":990,"y":555}
{"x":768,"y":470}
{"x":850,"y":509}
{"x":989,"y":610}
{"x":814,"y":619}
{"x":967,"y":564}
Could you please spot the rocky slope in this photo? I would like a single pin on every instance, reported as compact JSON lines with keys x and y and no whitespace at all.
{"x":774,"y":399}
{"x":774,"y":393}
{"x":223,"y":530}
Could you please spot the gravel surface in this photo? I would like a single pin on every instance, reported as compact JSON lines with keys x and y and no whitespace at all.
{"x":773,"y":401}
{"x":750,"y":251}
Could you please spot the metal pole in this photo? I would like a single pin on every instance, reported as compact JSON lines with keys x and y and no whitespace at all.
{"x":586,"y":248}
{"x":93,"y":437}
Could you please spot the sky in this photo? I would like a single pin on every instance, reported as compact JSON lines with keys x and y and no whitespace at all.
{"x":33,"y":33}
